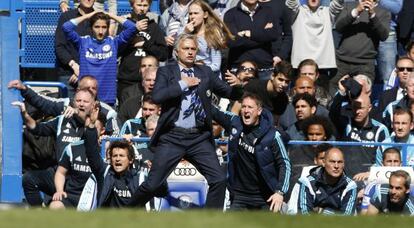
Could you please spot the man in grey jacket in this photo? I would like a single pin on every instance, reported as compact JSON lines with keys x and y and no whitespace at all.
{"x":362,"y":25}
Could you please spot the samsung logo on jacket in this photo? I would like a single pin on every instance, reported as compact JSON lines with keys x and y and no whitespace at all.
{"x":99,"y":56}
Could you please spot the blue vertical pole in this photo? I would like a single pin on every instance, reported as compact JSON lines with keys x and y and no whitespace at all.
{"x":11,"y":134}
{"x":404,"y":154}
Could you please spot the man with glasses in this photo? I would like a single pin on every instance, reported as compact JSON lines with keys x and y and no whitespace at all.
{"x":405,"y":102}
{"x":404,"y":68}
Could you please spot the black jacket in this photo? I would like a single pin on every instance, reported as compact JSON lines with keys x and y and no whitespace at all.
{"x":283,"y":22}
{"x":131,"y":56}
{"x":406,"y":20}
{"x":316,"y":193}
{"x":105,"y":176}
{"x":259,"y":46}
{"x":54,"y":107}
{"x":269,"y":150}
{"x":168,"y":93}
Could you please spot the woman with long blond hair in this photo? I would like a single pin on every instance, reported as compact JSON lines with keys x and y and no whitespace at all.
{"x":211,"y":32}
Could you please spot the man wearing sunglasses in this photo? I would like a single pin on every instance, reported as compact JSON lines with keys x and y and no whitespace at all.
{"x":404,"y":68}
{"x":405,"y":102}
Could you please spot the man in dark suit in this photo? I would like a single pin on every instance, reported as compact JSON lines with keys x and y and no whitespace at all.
{"x":404,"y":68}
{"x":406,"y":22}
{"x":184,"y":129}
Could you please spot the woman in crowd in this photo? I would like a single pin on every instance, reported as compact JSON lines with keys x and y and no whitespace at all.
{"x":211,"y":32}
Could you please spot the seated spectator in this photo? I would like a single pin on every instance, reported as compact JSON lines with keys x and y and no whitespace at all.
{"x":143,"y":155}
{"x":355,"y":86}
{"x":66,"y":131}
{"x":55,"y":107}
{"x":310,"y":68}
{"x":405,"y":102}
{"x":327,"y":190}
{"x":98,"y":5}
{"x":246,"y":71}
{"x":391,"y":158}
{"x":73,"y":170}
{"x":273,"y":91}
{"x":212,"y":34}
{"x":138,"y":89}
{"x":132,"y":107}
{"x":98,"y":54}
{"x":402,"y":125}
{"x":303,"y":84}
{"x":315,"y":128}
{"x":394,"y":197}
{"x":357,"y":127}
{"x":136,"y":126}
{"x":404,"y":68}
{"x":148,"y":41}
{"x":305,"y":107}
{"x":393,"y":81}
{"x":320,"y":151}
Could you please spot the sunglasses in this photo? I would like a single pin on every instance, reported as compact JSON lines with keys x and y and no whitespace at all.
{"x":246,"y":69}
{"x":401,"y":69}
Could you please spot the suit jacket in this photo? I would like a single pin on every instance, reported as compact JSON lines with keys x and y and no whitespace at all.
{"x":386,"y":98}
{"x":406,"y":19}
{"x":167,"y":92}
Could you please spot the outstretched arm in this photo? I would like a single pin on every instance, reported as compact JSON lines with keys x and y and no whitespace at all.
{"x":28,"y":120}
{"x":48,"y":106}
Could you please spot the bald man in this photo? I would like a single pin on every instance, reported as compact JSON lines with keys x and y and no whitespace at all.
{"x":303,"y":84}
{"x":327,"y":190}
{"x":360,"y":127}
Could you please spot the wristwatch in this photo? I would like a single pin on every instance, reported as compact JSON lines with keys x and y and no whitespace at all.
{"x":280,"y":192}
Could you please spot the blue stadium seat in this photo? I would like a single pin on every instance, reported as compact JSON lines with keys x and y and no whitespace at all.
{"x":185,"y":195}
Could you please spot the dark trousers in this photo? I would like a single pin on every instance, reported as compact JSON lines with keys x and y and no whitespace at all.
{"x":198,"y":149}
{"x":344,"y":68}
{"x":241,"y":203}
{"x":36,"y":181}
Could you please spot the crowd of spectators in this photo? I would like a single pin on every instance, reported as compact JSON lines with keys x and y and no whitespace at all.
{"x":310,"y":71}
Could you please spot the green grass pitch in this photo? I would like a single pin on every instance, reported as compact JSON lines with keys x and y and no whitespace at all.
{"x":210,"y":219}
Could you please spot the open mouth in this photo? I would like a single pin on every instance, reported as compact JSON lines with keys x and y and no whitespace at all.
{"x":118,"y":165}
{"x":247,"y":117}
